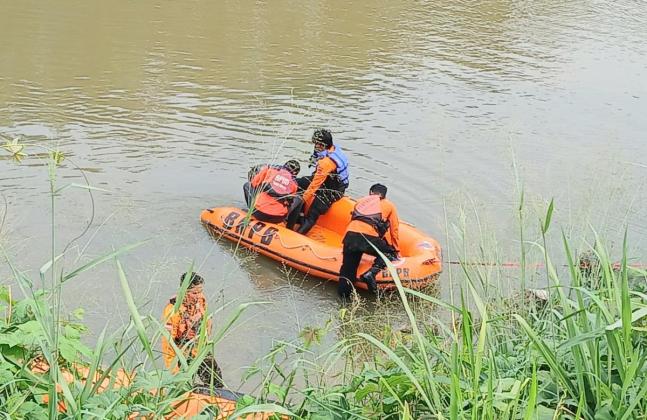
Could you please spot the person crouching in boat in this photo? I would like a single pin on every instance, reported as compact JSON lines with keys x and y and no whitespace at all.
{"x":184,"y":324}
{"x":373,"y":217}
{"x":271,"y":193}
{"x":328,"y":182}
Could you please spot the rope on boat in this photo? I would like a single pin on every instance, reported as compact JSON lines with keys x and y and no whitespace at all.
{"x":615,"y":265}
{"x":276,"y":234}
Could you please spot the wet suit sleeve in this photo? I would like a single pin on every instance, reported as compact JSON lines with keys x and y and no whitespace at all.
{"x":324,"y":168}
{"x":170,"y":321}
{"x":394,"y":227}
{"x":259,"y":177}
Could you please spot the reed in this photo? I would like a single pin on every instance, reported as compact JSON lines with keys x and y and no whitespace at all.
{"x":579,"y":352}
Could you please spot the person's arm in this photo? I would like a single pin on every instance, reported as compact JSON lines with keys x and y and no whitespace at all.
{"x":167,"y":350}
{"x":324,"y":168}
{"x":394,"y":228}
{"x":259,"y":178}
{"x":292,"y":193}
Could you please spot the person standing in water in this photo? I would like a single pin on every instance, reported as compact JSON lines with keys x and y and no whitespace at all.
{"x":372,"y":219}
{"x":185,"y":323}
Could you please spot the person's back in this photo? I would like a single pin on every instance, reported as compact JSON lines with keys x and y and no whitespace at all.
{"x":386,"y":224}
{"x":271,"y":192}
{"x":373,"y":218}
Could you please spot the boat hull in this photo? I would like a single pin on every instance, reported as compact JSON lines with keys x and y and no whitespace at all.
{"x":319,"y":254}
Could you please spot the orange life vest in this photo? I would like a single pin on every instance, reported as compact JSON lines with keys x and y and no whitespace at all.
{"x":276,"y":186}
{"x":368,"y":210}
{"x":184,"y":325}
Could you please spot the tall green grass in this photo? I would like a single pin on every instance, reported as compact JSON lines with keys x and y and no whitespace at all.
{"x":576,"y":352}
{"x":33,"y":330}
{"x":579,"y":353}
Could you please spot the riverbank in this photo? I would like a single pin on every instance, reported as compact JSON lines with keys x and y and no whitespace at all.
{"x":577,"y":349}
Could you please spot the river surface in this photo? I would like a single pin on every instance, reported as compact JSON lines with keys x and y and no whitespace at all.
{"x":451,"y":104}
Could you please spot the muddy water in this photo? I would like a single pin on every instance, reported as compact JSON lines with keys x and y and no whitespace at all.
{"x":166,"y":105}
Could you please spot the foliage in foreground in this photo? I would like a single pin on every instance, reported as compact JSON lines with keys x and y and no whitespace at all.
{"x":579,"y":352}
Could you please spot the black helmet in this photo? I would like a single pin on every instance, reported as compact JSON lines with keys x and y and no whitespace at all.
{"x":196,"y":279}
{"x":378,"y":189}
{"x":321,"y":135}
{"x":292,"y":166}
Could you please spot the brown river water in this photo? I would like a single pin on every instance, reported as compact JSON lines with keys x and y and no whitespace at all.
{"x":167,"y":104}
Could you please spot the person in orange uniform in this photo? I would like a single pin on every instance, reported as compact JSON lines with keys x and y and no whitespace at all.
{"x":271,"y":192}
{"x":184,"y":324}
{"x":373,"y":218}
{"x":327,"y":184}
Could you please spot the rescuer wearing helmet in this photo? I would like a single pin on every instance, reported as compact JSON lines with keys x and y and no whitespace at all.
{"x":271,"y":193}
{"x":328,"y":182}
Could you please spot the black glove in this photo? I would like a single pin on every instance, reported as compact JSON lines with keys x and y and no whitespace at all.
{"x":313,"y":160}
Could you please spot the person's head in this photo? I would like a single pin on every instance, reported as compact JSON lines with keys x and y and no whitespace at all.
{"x":292,"y":166}
{"x":194,"y":279}
{"x":378,"y":189}
{"x":209,"y":373}
{"x":322,"y":139}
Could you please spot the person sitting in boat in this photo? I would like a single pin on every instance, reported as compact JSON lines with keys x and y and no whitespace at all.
{"x":374,"y":218}
{"x":185,"y":323}
{"x":328,"y":182}
{"x":272,"y":193}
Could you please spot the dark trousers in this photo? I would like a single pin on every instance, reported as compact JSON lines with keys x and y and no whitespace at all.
{"x":355,"y":245}
{"x":324,"y":197}
{"x":293,"y":210}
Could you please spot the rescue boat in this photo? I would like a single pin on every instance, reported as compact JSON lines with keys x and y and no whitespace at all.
{"x":220,"y":403}
{"x":319,"y":253}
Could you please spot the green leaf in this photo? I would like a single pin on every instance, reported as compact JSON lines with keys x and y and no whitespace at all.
{"x":82,"y":186}
{"x":279,"y":391}
{"x":134,"y":312}
{"x":57,"y":156}
{"x":549,"y":215}
{"x":398,"y":361}
{"x":31,"y":410}
{"x":78,"y":313}
{"x":635,"y":316}
{"x":67,"y":350}
{"x":5,"y":294}
{"x":262,"y":408}
{"x":72,"y":332}
{"x":549,"y":356}
{"x":6,"y":375}
{"x":369,"y":388}
{"x":100,"y":260}
{"x":15,"y":149}
{"x":245,"y":401}
{"x":310,"y":335}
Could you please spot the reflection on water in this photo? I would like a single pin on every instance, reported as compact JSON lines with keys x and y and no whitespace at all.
{"x":166,"y":105}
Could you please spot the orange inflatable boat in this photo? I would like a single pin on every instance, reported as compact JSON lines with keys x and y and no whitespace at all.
{"x":320,"y":252}
{"x":218,"y":402}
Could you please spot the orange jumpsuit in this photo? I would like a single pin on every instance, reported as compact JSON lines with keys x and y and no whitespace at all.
{"x":184,"y":325}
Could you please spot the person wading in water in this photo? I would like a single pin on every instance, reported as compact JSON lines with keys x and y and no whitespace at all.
{"x":372,"y":219}
{"x":184,"y":326}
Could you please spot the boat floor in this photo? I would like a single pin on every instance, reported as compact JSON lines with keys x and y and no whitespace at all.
{"x":325,"y":236}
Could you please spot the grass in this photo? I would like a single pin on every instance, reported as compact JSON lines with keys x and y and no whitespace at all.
{"x":580,"y":352}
